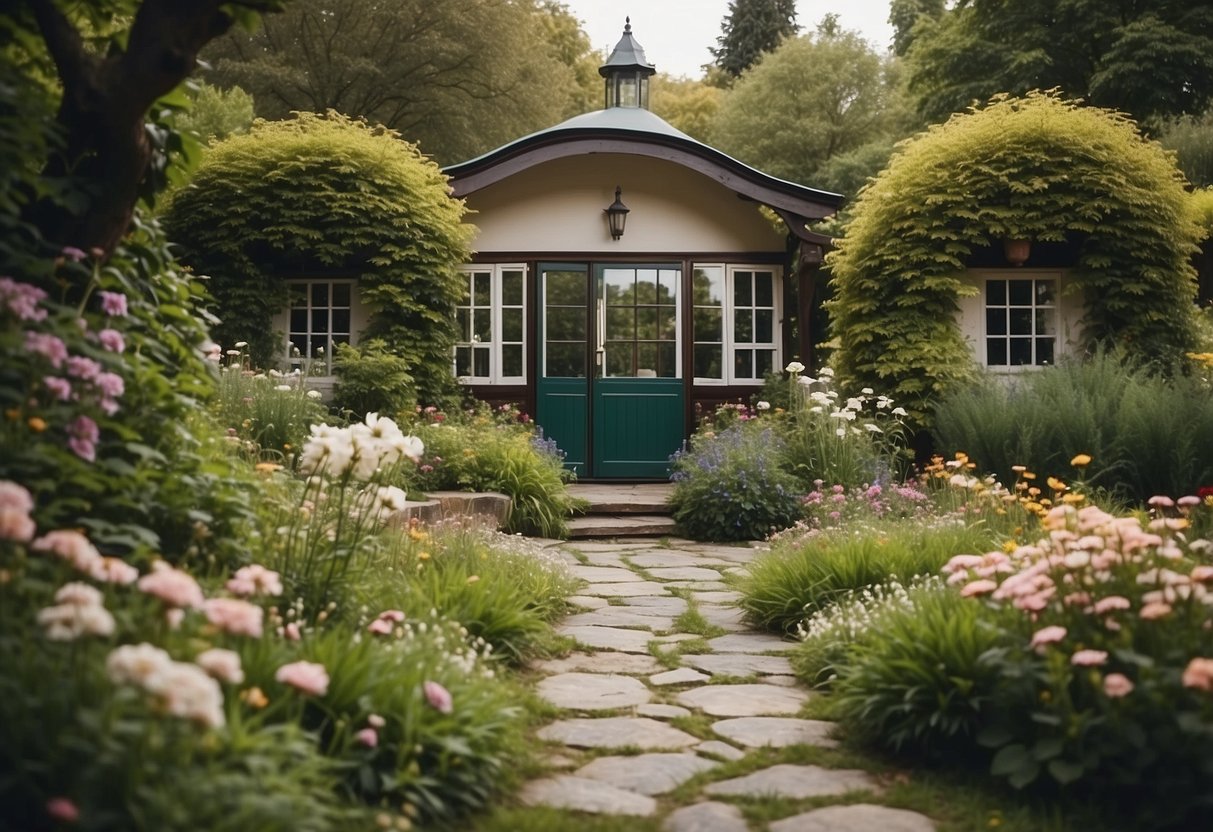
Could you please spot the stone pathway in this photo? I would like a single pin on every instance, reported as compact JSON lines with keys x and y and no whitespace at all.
{"x":618,"y":748}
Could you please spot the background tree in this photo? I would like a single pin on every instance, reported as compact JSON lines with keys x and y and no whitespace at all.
{"x":458,"y":77}
{"x":904,"y":15}
{"x":751,"y":29}
{"x":813,"y":98}
{"x":1152,"y":59}
{"x":214,"y":114}
{"x":1191,"y":137}
{"x":690,"y":105}
{"x":571,"y":45}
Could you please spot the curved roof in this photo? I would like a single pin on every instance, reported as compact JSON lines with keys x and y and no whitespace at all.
{"x":636,"y":131}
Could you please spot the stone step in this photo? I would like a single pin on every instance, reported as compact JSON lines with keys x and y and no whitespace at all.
{"x":622,"y":525}
{"x":610,"y":498}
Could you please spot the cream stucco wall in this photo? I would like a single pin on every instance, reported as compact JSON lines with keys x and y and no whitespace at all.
{"x":558,"y":206}
{"x":973,"y":319}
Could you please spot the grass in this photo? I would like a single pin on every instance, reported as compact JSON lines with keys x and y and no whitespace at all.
{"x":692,"y":620}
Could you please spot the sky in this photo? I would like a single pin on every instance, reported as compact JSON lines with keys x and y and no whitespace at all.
{"x":676,"y":34}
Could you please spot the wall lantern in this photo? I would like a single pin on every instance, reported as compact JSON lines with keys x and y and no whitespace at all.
{"x":1017,"y":251}
{"x":617,"y":215}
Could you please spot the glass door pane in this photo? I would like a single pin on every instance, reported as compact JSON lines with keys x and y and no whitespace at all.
{"x":565,"y":324}
{"x":637,"y":311}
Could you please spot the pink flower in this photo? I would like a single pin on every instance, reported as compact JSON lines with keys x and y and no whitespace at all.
{"x":67,"y":622}
{"x":1199,"y":674}
{"x":59,"y":388}
{"x":1202,"y":573}
{"x":223,"y":665}
{"x":114,"y":571}
{"x":16,"y":496}
{"x":83,"y":368}
{"x":1112,"y":602}
{"x":74,"y":254}
{"x":110,"y":384}
{"x":438,"y":697}
{"x":1161,"y":501}
{"x":72,"y":546}
{"x":255,"y":580}
{"x":392,"y":615}
{"x":83,"y":433}
{"x":1155,"y":610}
{"x":306,"y":677}
{"x":22,"y":299}
{"x":60,"y":808}
{"x":172,"y":586}
{"x":1048,"y":635}
{"x":1089,"y":658}
{"x":380,"y":627}
{"x":79,"y":595}
{"x":113,"y":304}
{"x":48,"y":346}
{"x":1116,"y":685}
{"x":981,"y":587}
{"x":240,"y":618}
{"x":291,"y":632}
{"x":111,"y":340}
{"x":368,"y":737}
{"x":15,"y":507}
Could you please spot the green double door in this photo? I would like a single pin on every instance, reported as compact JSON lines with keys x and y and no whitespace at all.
{"x":610,"y":388}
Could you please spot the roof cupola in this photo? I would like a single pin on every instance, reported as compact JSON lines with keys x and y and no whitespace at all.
{"x":627,"y":73}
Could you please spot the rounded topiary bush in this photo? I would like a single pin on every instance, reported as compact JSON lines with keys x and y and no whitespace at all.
{"x":326,"y":195}
{"x":1039,"y":168}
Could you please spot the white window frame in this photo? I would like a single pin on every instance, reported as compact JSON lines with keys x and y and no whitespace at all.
{"x":496,"y":369}
{"x":1055,"y":307}
{"x":309,"y":363}
{"x":728,"y":315}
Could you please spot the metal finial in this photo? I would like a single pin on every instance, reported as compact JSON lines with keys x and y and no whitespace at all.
{"x":627,"y":27}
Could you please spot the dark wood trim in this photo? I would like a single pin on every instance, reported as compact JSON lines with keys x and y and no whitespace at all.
{"x":533,"y":257}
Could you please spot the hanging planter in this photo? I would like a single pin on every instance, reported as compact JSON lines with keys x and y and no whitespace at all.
{"x":1017,"y":250}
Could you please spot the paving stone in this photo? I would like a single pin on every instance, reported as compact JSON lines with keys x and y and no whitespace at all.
{"x":604,"y":559}
{"x":621,"y":617}
{"x":739,"y":664}
{"x":589,"y":546}
{"x":608,"y":662}
{"x":659,"y":711}
{"x":659,"y":604}
{"x":716,"y":748}
{"x":679,"y":676}
{"x":706,"y":817}
{"x":750,"y":643}
{"x":588,"y":602}
{"x":775,"y":732}
{"x":585,"y":795}
{"x":626,"y":589}
{"x":730,"y":618}
{"x":618,"y":732}
{"x":782,"y":681}
{"x":672,"y":560}
{"x":685,"y":573}
{"x":605,"y":574}
{"x":743,"y":700}
{"x":699,"y":586}
{"x":559,"y":761}
{"x":715,"y":597}
{"x":794,"y":782}
{"x":858,"y":817}
{"x":674,"y":638}
{"x":609,"y":638}
{"x":646,"y":773}
{"x":593,"y":691}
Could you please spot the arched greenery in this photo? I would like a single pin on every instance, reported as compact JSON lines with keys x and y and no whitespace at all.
{"x":1037,"y":167}
{"x":327,"y":195}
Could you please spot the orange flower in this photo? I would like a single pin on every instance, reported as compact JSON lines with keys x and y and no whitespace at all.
{"x":1081,"y":461}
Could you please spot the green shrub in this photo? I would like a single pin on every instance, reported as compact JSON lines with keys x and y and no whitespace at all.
{"x":371,"y":379}
{"x":732,"y":486}
{"x":1145,"y":434}
{"x":805,"y":573}
{"x":269,"y":412}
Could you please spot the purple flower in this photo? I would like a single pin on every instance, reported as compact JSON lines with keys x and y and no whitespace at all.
{"x":48,"y":346}
{"x":83,"y":368}
{"x":74,"y":254}
{"x":83,"y":435}
{"x":113,"y":304}
{"x":112,"y":340}
{"x":22,"y":299}
{"x":60,"y":388}
{"x":438,"y":697}
{"x":110,"y":384}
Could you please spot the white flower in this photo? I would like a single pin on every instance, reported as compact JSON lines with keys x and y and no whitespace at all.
{"x":314,"y":394}
{"x":67,"y":622}
{"x":854,"y":404}
{"x":871,"y":428}
{"x":841,"y":431}
{"x":223,"y":665}
{"x":186,"y":691}
{"x":241,"y":344}
{"x":826,"y":372}
{"x":763,"y":405}
{"x":274,"y":373}
{"x":283,"y":388}
{"x":899,"y":411}
{"x":134,"y":664}
{"x":867,"y":391}
{"x":794,"y":367}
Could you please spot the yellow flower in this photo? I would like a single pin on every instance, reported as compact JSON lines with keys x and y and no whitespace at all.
{"x":36,"y":424}
{"x":266,"y":467}
{"x":1081,"y":461}
{"x":423,"y":556}
{"x":473,"y":579}
{"x":1009,"y":546}
{"x":1027,"y":475}
{"x":12,"y":414}
{"x":1056,"y":484}
{"x":418,"y":535}
{"x":254,"y":698}
{"x":1073,"y":499}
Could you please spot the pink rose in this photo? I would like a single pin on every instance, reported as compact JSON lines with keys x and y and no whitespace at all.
{"x":1199,"y":674}
{"x":50,"y":347}
{"x":255,"y":580}
{"x":1089,"y":658}
{"x":1048,"y":635}
{"x":306,"y":677}
{"x":1155,"y":610}
{"x":1116,"y":685}
{"x":70,"y":545}
{"x":114,"y":571}
{"x":438,"y":697}
{"x":240,"y":618}
{"x":172,"y":586}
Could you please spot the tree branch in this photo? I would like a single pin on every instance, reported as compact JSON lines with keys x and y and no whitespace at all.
{"x":63,"y":41}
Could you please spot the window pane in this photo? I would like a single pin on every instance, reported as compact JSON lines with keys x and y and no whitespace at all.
{"x":621,"y":323}
{"x":667,"y":291}
{"x":341,"y":321}
{"x":996,"y":352}
{"x":566,"y":360}
{"x":1044,"y":350}
{"x":996,"y":293}
{"x":482,"y":284}
{"x":743,"y":363}
{"x":1045,"y":292}
{"x":341,"y":294}
{"x":646,"y":285}
{"x":511,"y":360}
{"x":1044,"y":322}
{"x":996,"y":321}
{"x":1020,"y":292}
{"x":482,"y":325}
{"x":1021,"y":321}
{"x":764,"y":360}
{"x":743,"y":326}
{"x":743,"y":294}
{"x":298,"y":343}
{"x":764,"y":326}
{"x":667,"y":324}
{"x":619,"y":359}
{"x":646,"y":360}
{"x":511,"y":324}
{"x":320,"y":320}
{"x":320,"y":294}
{"x":480,"y":362}
{"x":667,"y":360}
{"x":708,"y":286}
{"x":620,"y":286}
{"x":646,"y":323}
{"x":463,"y":361}
{"x":298,"y":293}
{"x":566,"y":324}
{"x":298,"y":320}
{"x":764,"y":292}
{"x":708,"y":325}
{"x":708,"y":361}
{"x":463,"y":323}
{"x":511,"y":288}
{"x":565,"y":288}
{"x":1021,"y":351}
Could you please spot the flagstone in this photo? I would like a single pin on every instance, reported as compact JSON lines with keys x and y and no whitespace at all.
{"x":648,"y":774}
{"x":606,"y":662}
{"x":699,"y":586}
{"x":743,"y":700}
{"x":685,"y":573}
{"x":617,"y":732}
{"x":673,"y":560}
{"x":602,"y":546}
{"x":624,"y":589}
{"x":775,"y":732}
{"x":679,"y":676}
{"x":659,"y":604}
{"x":609,"y":638}
{"x":659,"y":711}
{"x":605,"y":574}
{"x":593,"y":691}
{"x":583,"y":794}
{"x":750,"y":643}
{"x":621,"y":617}
{"x":858,"y":817}
{"x":604,"y":559}
{"x":739,"y":664}
{"x":782,"y":681}
{"x":717,"y":597}
{"x":706,"y":817}
{"x":716,"y":748}
{"x":730,"y":618}
{"x":794,"y":782}
{"x":588,"y":602}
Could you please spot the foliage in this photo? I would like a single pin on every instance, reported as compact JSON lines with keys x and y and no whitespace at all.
{"x":214,"y":114}
{"x":457,"y":78}
{"x":751,"y":29}
{"x":324,"y":195}
{"x":268,"y":414}
{"x":846,"y":173}
{"x":732,"y":485}
{"x":1152,"y":60}
{"x":1039,"y":168}
{"x":778,"y":121}
{"x":1144,"y":434}
{"x":807,"y":572}
{"x":1191,"y":137}
{"x":906,"y":15}
{"x":371,"y":379}
{"x":689,"y":105}
{"x":481,"y":450}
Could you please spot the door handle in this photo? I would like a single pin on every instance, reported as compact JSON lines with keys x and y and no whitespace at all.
{"x":600,"y":332}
